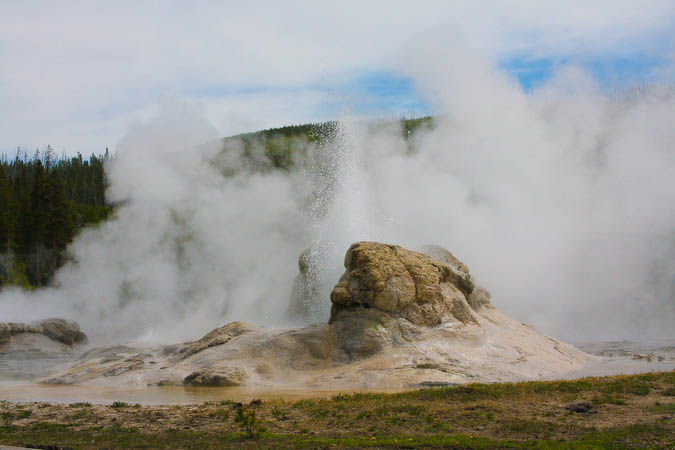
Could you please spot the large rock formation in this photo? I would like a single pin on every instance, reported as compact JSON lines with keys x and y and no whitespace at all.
{"x":389,"y":295}
{"x":399,"y":318}
{"x":403,"y":283}
{"x":28,"y":350}
{"x":45,"y":335}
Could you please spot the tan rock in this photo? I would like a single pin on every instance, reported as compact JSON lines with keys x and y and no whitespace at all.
{"x":216,"y":376}
{"x":399,"y":318}
{"x":424,"y":290}
{"x":219,"y":336}
{"x":60,"y":330}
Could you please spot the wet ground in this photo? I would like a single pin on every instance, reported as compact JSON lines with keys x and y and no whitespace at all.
{"x":156,"y":395}
{"x":614,"y":357}
{"x":626,"y":357}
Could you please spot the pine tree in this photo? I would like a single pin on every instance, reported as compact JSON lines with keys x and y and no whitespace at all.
{"x":7,"y":259}
{"x":34,"y":227}
{"x":58,"y":226}
{"x":5,"y":211}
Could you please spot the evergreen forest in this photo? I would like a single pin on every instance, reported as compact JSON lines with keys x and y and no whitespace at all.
{"x":46,"y":200}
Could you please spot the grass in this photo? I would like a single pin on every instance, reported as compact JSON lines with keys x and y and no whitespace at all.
{"x":119,"y":405}
{"x":627,"y":412}
{"x":668,"y":392}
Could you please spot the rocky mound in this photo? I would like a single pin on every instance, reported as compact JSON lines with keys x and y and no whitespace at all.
{"x":399,"y":318}
{"x":43,"y":336}
{"x":29,"y":350}
{"x":403,"y":283}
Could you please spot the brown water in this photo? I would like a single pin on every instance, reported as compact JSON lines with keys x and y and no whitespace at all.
{"x":615,"y":357}
{"x":165,"y":395}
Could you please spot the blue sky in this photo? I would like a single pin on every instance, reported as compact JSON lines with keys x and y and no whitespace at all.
{"x":389,"y":94}
{"x":609,"y":72}
{"x":378,"y":95}
{"x":79,"y":75}
{"x":385,"y":94}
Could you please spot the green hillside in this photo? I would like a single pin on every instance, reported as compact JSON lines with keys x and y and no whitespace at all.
{"x":45,"y":201}
{"x":277,"y":148}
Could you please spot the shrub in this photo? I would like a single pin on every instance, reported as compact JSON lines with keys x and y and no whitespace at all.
{"x":247,"y":422}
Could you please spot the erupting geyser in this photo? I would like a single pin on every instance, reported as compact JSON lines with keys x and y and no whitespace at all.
{"x":399,"y":318}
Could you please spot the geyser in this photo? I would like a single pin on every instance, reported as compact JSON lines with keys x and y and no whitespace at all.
{"x":562,"y":199}
{"x":399,"y":318}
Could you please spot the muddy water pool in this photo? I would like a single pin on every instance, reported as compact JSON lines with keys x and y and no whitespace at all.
{"x":614,"y":357}
{"x":17,"y":391}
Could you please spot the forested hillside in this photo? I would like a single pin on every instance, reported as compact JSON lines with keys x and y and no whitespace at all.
{"x":44,"y":202}
{"x":277,"y":148}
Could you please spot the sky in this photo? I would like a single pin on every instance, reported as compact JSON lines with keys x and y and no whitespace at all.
{"x":77,"y":75}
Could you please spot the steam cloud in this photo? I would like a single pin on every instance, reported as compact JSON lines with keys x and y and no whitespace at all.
{"x":561,"y":201}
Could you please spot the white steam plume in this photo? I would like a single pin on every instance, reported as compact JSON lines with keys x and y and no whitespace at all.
{"x":561,"y":201}
{"x":186,"y":250}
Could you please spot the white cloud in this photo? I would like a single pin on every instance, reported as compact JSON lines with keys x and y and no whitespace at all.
{"x":74,"y":73}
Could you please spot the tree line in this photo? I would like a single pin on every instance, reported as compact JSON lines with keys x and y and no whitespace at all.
{"x":44,"y":202}
{"x":280,"y":148}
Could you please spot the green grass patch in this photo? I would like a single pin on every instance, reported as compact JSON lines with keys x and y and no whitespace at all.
{"x":50,"y":427}
{"x":118,"y":405}
{"x":220,"y":413}
{"x":80,"y":405}
{"x":668,"y":408}
{"x":670,"y":392}
{"x":23,"y":414}
{"x":628,"y":437}
{"x":606,"y":399}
